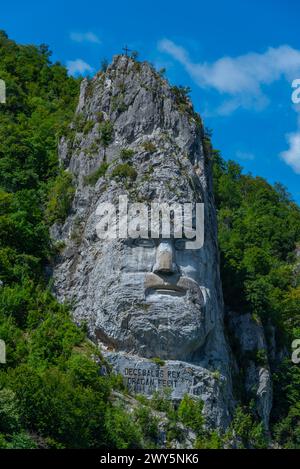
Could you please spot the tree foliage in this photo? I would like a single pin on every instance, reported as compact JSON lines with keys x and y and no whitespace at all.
{"x":51,"y":394}
{"x":259,"y":232}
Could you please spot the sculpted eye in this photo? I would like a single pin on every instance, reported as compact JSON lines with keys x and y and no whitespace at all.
{"x":145,"y":243}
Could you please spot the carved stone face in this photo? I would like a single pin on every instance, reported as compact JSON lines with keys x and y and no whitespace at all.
{"x":156,"y":303}
{"x":143,"y":298}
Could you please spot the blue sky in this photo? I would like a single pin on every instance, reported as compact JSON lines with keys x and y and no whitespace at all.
{"x":238,"y":56}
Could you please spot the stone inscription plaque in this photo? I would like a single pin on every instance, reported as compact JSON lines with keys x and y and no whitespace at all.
{"x":145,"y":377}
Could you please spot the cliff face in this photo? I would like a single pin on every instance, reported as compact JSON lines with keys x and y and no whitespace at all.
{"x":155,"y":309}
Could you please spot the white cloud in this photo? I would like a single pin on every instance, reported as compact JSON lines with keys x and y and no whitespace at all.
{"x":78,"y":66}
{"x":241,"y":82}
{"x":292,"y":155}
{"x":85,"y":37}
{"x":240,"y":78}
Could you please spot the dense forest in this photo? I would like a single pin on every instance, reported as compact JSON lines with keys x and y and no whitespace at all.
{"x":259,"y":228}
{"x":51,"y":392}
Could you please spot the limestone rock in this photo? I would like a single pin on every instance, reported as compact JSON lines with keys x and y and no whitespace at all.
{"x":145,"y":377}
{"x":253,"y":352}
{"x":142,"y":298}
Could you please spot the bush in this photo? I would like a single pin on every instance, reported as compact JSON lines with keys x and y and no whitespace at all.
{"x":79,"y":122}
{"x":174,"y":432}
{"x":287,"y":431}
{"x":162,"y":402}
{"x":21,"y":441}
{"x":124,"y":171}
{"x":52,"y":405}
{"x":245,"y":431}
{"x":89,"y":125}
{"x":84,"y":371}
{"x":149,"y":147}
{"x":106,"y":133}
{"x":61,"y":197}
{"x":15,"y":301}
{"x":158,"y":361}
{"x":147,"y":422}
{"x":54,"y":340}
{"x":181,"y":94}
{"x":121,"y":430}
{"x":126,"y":153}
{"x":3,"y":442}
{"x":209,"y":441}
{"x":190,"y":413}
{"x":16,"y":344}
{"x":9,"y":413}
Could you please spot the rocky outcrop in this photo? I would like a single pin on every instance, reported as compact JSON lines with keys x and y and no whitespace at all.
{"x":252,"y":357}
{"x":154,"y":308}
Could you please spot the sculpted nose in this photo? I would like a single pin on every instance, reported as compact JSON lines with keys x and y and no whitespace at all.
{"x":165,"y":259}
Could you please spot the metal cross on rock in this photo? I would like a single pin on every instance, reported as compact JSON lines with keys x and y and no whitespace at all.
{"x":126,"y":50}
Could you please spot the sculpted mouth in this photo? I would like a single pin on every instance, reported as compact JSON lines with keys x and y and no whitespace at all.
{"x":165,"y":289}
{"x":157,"y":285}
